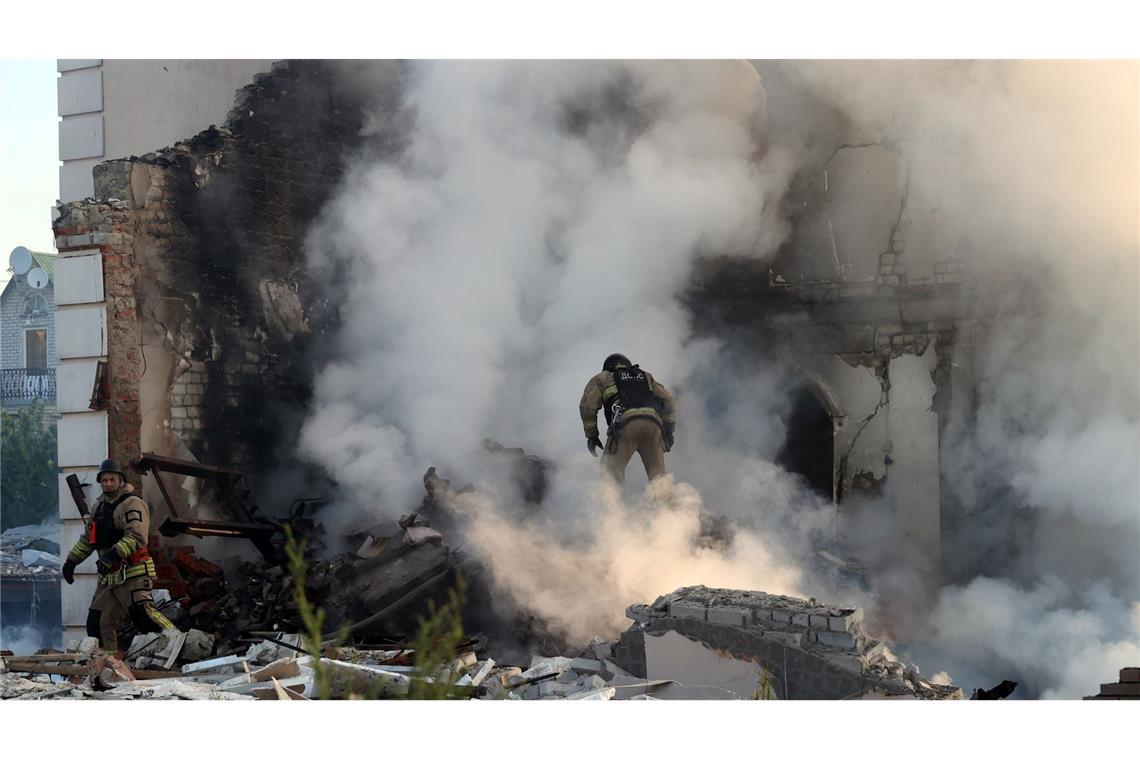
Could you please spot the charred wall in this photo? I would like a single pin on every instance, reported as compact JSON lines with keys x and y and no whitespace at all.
{"x":211,"y":348}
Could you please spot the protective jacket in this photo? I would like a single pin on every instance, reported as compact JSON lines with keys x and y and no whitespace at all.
{"x":117,"y":529}
{"x":625,"y":394}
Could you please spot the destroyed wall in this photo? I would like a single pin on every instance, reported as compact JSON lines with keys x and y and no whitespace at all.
{"x":763,"y":646}
{"x":870,"y":303}
{"x":201,"y":246}
{"x":197,"y":252}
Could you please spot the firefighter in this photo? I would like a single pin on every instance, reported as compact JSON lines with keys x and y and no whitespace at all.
{"x":639,"y":412}
{"x":117,"y":529}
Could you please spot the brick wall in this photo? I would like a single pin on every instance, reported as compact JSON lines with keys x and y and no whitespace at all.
{"x":207,"y":318}
{"x":13,"y":323}
{"x":108,"y":227}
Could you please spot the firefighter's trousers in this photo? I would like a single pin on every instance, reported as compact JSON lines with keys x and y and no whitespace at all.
{"x":131,"y":600}
{"x":640,"y":434}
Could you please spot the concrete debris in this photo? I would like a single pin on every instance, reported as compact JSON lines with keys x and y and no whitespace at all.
{"x":477,"y":676}
{"x":217,"y":663}
{"x":197,"y":645}
{"x":766,"y":646}
{"x":347,"y":678}
{"x":30,"y":552}
{"x":239,"y":619}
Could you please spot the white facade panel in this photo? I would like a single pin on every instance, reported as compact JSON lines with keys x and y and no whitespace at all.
{"x":79,"y":279}
{"x":152,"y":104}
{"x":76,"y":180}
{"x":82,"y":439}
{"x":69,"y":532}
{"x":71,"y":64}
{"x":74,"y":381}
{"x":75,"y":599}
{"x":67,"y":508}
{"x":80,"y":92}
{"x":81,"y":137}
{"x":81,"y":332}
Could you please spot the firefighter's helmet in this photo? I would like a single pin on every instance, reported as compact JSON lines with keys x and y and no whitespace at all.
{"x":613,"y":361}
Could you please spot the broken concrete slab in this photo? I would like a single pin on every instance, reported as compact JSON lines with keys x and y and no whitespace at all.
{"x":217,"y":663}
{"x":239,"y":680}
{"x":688,"y":610}
{"x":347,"y":678}
{"x":146,"y":645}
{"x":629,"y":687}
{"x":286,"y":667}
{"x":641,"y":613}
{"x":87,"y":646}
{"x":845,"y":620}
{"x":788,"y":638}
{"x":834,"y":639}
{"x":477,"y":676}
{"x":586,"y":665}
{"x":198,"y":645}
{"x":544,"y":666}
{"x":174,"y":650}
{"x":419,"y":534}
{"x":800,"y":649}
{"x":613,"y":670}
{"x":590,"y":683}
{"x":739,"y":616}
{"x":602,"y":693}
{"x":553,"y":688}
{"x":261,"y":653}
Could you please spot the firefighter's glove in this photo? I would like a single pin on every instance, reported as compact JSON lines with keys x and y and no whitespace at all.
{"x":69,"y":572}
{"x":669,"y":439}
{"x":594,"y":443}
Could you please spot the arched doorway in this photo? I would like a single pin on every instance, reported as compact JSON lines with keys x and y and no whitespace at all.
{"x":809,"y":447}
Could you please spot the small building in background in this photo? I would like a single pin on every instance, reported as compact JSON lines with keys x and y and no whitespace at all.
{"x":27,"y":332}
{"x":29,"y":565}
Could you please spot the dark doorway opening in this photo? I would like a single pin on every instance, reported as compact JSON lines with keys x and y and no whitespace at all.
{"x":809,"y":448}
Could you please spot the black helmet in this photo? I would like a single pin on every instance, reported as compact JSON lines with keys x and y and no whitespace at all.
{"x":613,"y":361}
{"x":110,"y":465}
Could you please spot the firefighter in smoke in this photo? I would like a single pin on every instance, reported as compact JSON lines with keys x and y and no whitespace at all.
{"x":639,"y":412}
{"x":117,"y":529}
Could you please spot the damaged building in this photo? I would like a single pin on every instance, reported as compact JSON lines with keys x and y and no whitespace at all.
{"x":195,"y":332}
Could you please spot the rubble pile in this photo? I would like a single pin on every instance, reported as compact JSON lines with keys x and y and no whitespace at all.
{"x":803,"y":648}
{"x":237,"y":596}
{"x":754,"y":646}
{"x":245,"y":596}
{"x":237,"y":621}
{"x":30,"y":551}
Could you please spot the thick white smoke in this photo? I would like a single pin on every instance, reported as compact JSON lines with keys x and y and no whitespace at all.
{"x":539,"y":217}
{"x":1028,"y":171}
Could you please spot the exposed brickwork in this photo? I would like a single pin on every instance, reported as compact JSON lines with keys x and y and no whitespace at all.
{"x":14,"y":322}
{"x":1128,"y":687}
{"x":203,"y":260}
{"x":109,"y":226}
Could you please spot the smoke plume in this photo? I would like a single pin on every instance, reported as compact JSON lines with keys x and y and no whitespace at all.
{"x":1028,"y":172}
{"x":513,"y":223}
{"x":534,"y":219}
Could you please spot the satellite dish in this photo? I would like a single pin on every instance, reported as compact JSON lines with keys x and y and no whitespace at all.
{"x":20,"y":260}
{"x":37,"y":278}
